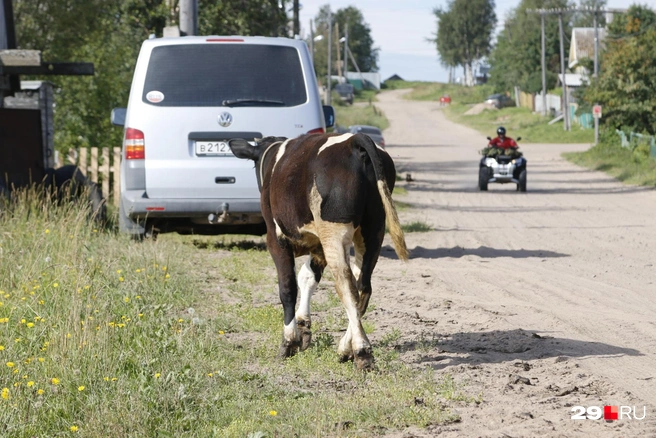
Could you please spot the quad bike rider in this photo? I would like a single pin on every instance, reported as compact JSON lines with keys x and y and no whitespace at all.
{"x":502,"y":162}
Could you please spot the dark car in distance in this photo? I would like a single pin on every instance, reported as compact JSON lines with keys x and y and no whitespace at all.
{"x":373,"y":132}
{"x":499,"y":101}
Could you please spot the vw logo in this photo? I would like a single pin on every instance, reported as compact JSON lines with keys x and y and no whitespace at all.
{"x":225,"y":119}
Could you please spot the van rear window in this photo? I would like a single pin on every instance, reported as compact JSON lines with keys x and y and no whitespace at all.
{"x":224,"y":75}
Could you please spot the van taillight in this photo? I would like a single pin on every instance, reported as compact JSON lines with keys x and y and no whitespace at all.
{"x":134,"y":144}
{"x":316,"y":131}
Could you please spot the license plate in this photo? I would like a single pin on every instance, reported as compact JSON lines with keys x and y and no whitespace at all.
{"x":212,"y":148}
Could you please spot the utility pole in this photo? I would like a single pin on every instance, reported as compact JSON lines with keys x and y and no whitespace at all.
{"x":559,"y":12}
{"x":562,"y":72}
{"x":345,"y":53}
{"x":339,"y":61}
{"x":544,"y":69}
{"x":297,"y":24}
{"x":596,"y":69}
{"x":330,"y":55}
{"x":188,"y":17}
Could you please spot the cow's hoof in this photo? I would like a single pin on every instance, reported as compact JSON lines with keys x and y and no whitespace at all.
{"x":306,"y":334}
{"x":364,"y":359}
{"x":346,"y":358}
{"x":288,"y":349}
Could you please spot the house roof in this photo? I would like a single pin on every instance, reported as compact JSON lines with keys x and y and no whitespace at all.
{"x":582,"y":45}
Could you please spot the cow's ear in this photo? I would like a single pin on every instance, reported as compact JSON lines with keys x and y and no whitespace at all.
{"x":242,"y":149}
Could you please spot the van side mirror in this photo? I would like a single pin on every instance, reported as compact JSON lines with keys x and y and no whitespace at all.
{"x":118,"y":116}
{"x":518,"y":138}
{"x":329,"y":115}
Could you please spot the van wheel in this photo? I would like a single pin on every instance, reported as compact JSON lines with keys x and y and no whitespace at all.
{"x":71,"y":184}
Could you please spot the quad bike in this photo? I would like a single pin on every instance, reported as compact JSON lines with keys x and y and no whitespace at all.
{"x":502,"y":166}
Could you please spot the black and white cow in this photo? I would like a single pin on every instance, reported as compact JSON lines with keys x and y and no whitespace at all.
{"x":321,"y":195}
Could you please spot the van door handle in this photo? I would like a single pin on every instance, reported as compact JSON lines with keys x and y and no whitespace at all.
{"x":224,"y":180}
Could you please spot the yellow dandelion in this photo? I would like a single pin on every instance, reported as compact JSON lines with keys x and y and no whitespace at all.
{"x":157,"y":375}
{"x":55,"y":285}
{"x":106,"y":379}
{"x":167,"y":276}
{"x":137,"y":270}
{"x":5,"y":393}
{"x":87,"y":287}
{"x":47,"y":230}
{"x":121,"y":279}
{"x":180,"y":320}
{"x":40,"y":391}
{"x":55,"y":381}
{"x":273,"y":413}
{"x":1,"y":304}
{"x":126,"y":299}
{"x":114,"y":379}
{"x":140,"y":315}
{"x":221,"y":332}
{"x":80,"y":388}
{"x":209,"y":374}
{"x":30,"y":324}
{"x":42,"y":302}
{"x":163,"y":268}
{"x":10,"y":364}
{"x":17,"y":340}
{"x":75,"y":428}
{"x":118,"y":271}
{"x":68,"y":336}
{"x":41,"y":359}
{"x":23,"y":321}
{"x":30,"y":383}
{"x":17,"y":384}
{"x":2,"y":347}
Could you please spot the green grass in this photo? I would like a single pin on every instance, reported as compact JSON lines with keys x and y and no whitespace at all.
{"x":367,"y":114}
{"x":416,"y":227}
{"x":178,"y":337}
{"x":519,"y":122}
{"x":631,"y":167}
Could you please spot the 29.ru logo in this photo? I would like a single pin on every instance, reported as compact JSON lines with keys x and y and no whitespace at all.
{"x":608,"y":413}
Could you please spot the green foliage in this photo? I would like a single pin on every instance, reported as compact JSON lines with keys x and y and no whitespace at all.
{"x":520,"y":122}
{"x":632,"y":166}
{"x":369,"y":114}
{"x":626,"y":87}
{"x":360,"y":41}
{"x":516,"y":58}
{"x":104,"y":336}
{"x":109,"y":34}
{"x":464,"y":33}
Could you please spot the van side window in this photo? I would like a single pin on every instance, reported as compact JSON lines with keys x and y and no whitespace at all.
{"x":210,"y":74}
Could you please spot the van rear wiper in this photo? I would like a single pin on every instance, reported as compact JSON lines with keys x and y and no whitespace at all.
{"x":252,"y":102}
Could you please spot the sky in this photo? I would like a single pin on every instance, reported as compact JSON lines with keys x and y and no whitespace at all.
{"x":401,"y":30}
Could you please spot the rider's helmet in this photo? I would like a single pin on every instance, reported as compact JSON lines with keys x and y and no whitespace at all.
{"x":501,"y":131}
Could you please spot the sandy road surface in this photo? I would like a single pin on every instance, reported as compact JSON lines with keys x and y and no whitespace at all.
{"x":537,"y":301}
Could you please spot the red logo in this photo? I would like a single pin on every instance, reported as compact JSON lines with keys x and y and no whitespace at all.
{"x":610,"y":412}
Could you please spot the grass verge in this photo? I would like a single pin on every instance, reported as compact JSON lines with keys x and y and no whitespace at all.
{"x":360,"y":114}
{"x":103,"y":336}
{"x":631,"y":167}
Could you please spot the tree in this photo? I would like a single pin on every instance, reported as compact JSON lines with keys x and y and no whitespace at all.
{"x":360,"y":42}
{"x":466,"y":35}
{"x":586,"y":19}
{"x":109,"y":34}
{"x":626,"y":87}
{"x":516,"y":59}
{"x":447,"y":44}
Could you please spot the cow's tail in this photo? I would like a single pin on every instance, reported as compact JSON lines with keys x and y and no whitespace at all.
{"x":391,"y":216}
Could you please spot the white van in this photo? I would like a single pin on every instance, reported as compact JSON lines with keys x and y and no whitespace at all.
{"x":189,"y":96}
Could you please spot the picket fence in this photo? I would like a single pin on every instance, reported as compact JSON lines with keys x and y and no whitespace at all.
{"x":100,"y":165}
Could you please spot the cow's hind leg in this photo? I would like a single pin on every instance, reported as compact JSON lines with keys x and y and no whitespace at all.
{"x":283,"y":257}
{"x":308,"y":279}
{"x":336,"y":241}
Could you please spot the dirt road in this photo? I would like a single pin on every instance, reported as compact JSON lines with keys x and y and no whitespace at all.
{"x":538,"y":301}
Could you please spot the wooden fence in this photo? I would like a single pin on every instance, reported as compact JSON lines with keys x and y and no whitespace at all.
{"x":100,"y":165}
